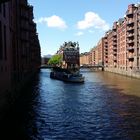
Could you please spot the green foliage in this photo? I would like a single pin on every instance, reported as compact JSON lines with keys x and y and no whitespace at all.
{"x":55,"y":60}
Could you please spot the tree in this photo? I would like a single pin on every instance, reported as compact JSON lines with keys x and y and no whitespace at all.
{"x":55,"y":60}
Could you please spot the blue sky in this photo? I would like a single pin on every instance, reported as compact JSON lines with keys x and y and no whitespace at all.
{"x":85,"y":21}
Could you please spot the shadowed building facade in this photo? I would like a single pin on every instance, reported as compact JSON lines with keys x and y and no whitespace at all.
{"x":19,"y":46}
{"x":5,"y":48}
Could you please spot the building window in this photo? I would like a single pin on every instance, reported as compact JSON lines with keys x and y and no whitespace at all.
{"x":1,"y":42}
{"x":5,"y":44}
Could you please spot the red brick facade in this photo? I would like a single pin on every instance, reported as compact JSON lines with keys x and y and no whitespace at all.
{"x":19,"y":48}
{"x":120,"y":46}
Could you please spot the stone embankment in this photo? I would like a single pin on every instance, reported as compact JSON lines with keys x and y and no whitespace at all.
{"x":132,"y":73}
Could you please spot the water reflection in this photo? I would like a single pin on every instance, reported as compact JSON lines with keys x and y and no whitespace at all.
{"x":129,"y":85}
{"x":97,"y":109}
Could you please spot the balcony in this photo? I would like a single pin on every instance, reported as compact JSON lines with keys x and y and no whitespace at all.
{"x":129,"y":13}
{"x":114,"y":39}
{"x":130,"y":22}
{"x":105,"y":40}
{"x":130,"y":29}
{"x":106,"y":50}
{"x":130,"y":41}
{"x":138,"y":19}
{"x":115,"y":64}
{"x":130,"y":57}
{"x":130,"y":48}
{"x":115,"y":48}
{"x":115,"y":59}
{"x":130,"y":64}
{"x":114,"y":34}
{"x":115,"y":53}
{"x":114,"y":43}
{"x":130,"y":35}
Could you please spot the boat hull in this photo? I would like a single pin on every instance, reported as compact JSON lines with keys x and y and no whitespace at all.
{"x":67,"y":77}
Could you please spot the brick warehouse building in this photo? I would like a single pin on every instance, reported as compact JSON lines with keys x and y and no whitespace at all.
{"x":133,"y":36}
{"x":128,"y":43}
{"x":70,"y":54}
{"x":121,"y":45}
{"x":19,"y":48}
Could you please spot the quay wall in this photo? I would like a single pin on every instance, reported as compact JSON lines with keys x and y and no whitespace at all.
{"x":130,"y":73}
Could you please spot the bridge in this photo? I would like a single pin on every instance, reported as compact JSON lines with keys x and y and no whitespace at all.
{"x":81,"y":67}
{"x":93,"y":67}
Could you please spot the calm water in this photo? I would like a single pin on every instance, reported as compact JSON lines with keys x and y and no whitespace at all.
{"x":105,"y":107}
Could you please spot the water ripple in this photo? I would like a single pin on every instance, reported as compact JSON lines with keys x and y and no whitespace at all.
{"x":94,"y":110}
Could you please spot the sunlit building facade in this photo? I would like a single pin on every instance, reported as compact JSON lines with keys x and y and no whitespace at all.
{"x":121,"y":44}
{"x":119,"y":50}
{"x":133,"y":35}
{"x":85,"y":58}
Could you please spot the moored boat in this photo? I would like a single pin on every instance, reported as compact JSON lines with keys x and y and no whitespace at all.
{"x":68,"y":68}
{"x":67,"y":77}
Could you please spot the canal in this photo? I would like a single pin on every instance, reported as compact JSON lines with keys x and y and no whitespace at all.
{"x":105,"y":107}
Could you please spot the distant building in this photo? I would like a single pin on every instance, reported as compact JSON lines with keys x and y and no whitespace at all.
{"x":133,"y":36}
{"x":121,"y":44}
{"x":105,"y":54}
{"x":100,"y":47}
{"x":70,"y":52}
{"x":45,"y":59}
{"x":85,"y":58}
{"x":112,"y":46}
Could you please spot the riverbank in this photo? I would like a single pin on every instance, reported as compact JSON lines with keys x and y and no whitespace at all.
{"x":130,"y":73}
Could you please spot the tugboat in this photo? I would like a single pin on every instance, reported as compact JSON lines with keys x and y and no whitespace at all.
{"x":69,"y":69}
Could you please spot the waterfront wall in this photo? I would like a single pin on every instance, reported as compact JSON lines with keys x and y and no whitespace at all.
{"x":130,"y":73}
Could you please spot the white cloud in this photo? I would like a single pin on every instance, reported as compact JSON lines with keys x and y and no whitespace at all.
{"x":53,"y":21}
{"x":92,"y":20}
{"x":79,"y":33}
